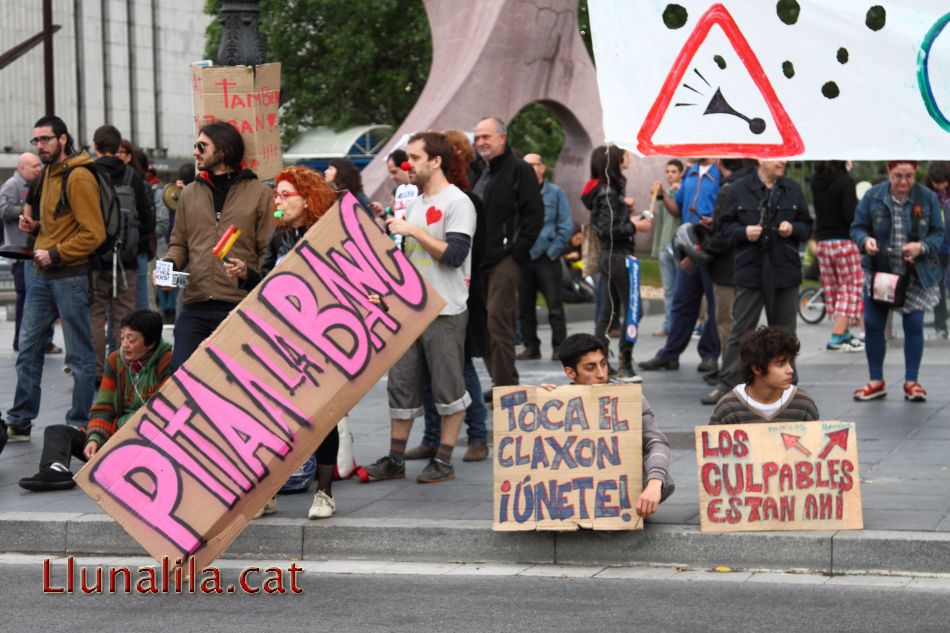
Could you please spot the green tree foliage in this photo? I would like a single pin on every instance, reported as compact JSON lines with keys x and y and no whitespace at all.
{"x":343,"y":63}
{"x":535,"y":130}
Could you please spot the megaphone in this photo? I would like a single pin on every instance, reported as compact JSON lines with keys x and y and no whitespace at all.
{"x":719,"y":105}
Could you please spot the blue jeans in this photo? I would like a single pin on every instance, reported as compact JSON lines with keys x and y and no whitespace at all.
{"x":475,"y":414}
{"x":29,"y":272}
{"x":875,"y":341}
{"x":688,"y":293}
{"x":44,"y":297}
{"x":143,"y":285}
{"x":669,"y":267}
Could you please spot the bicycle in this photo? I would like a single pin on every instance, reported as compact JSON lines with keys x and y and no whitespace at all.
{"x":811,"y":304}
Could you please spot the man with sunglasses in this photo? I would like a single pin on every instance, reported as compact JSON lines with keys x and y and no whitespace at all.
{"x":223,"y":194}
{"x":68,"y":229}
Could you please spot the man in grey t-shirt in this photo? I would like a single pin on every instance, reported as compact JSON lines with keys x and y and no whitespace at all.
{"x":438,"y":230}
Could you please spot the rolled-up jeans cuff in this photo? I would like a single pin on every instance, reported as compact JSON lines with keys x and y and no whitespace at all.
{"x":405,"y":414}
{"x":454,"y":407}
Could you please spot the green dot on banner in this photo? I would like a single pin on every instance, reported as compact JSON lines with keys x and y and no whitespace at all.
{"x":788,"y":11}
{"x":674,"y":16}
{"x":830,"y":90}
{"x":876,"y":17}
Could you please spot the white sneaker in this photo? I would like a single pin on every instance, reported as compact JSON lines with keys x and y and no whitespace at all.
{"x":323,"y":506}
{"x":269,"y":508}
{"x":853,"y":344}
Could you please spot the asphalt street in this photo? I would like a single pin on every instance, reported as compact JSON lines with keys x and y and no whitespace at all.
{"x":345,"y":596}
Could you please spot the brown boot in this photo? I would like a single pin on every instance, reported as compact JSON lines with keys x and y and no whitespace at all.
{"x":529,"y":353}
{"x":476,"y":453}
{"x":423,"y":451}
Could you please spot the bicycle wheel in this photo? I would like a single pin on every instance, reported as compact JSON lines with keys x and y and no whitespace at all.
{"x":811,"y":306}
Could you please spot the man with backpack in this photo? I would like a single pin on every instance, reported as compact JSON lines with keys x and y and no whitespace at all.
{"x":66,"y":219}
{"x":114,"y":282}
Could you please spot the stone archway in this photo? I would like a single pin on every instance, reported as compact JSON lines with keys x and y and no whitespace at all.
{"x":493,"y":58}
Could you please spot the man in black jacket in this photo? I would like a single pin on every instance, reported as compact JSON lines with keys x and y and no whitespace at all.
{"x":722,"y":265}
{"x":116,"y":296}
{"x":514,"y":213}
{"x":767,"y":217}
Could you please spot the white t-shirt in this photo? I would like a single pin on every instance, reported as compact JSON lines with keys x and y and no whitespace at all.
{"x":448,"y":212}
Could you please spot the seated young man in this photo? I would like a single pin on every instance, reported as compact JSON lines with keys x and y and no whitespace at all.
{"x":767,"y":358}
{"x":131,"y":375}
{"x":584,"y":358}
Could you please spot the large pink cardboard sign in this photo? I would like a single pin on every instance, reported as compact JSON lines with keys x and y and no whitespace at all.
{"x":184,"y":475}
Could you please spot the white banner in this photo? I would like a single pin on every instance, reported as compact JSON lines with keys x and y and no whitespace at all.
{"x":809,"y":79}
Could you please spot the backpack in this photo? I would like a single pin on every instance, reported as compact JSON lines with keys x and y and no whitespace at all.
{"x":119,"y":214}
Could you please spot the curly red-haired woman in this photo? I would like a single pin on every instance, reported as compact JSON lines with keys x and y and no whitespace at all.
{"x":302,"y":197}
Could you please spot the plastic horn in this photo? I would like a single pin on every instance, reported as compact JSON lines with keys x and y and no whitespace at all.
{"x":224,"y":240}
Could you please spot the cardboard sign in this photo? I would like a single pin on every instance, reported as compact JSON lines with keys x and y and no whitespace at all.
{"x":567,"y":459}
{"x":247,"y":97}
{"x":783,"y":476}
{"x":187,"y":472}
{"x":763,"y":79}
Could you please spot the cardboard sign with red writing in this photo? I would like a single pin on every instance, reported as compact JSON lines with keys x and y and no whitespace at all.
{"x":247,"y":97}
{"x":782,"y":476}
{"x":187,"y":472}
{"x":567,"y":459}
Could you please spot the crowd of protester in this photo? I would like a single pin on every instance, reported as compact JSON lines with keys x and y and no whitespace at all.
{"x":727,"y":234}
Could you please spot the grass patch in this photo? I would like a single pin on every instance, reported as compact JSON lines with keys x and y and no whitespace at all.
{"x":650,"y":272}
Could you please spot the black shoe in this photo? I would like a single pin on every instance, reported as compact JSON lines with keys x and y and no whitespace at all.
{"x":556,"y":353}
{"x":627,"y":375}
{"x":18,"y":433}
{"x":713,"y":396}
{"x":707,"y":366}
{"x":3,"y":435}
{"x":387,"y":468}
{"x":48,"y":479}
{"x":657,"y":362}
{"x":529,"y":353}
{"x":436,"y":472}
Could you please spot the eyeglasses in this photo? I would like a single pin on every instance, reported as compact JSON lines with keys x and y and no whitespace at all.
{"x":41,"y":140}
{"x":201,"y":146}
{"x":283,"y":195}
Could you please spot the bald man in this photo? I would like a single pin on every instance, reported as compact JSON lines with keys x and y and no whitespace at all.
{"x":543,"y":272}
{"x":12,"y":198}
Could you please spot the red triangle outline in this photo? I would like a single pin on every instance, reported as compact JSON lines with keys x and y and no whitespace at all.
{"x":792,"y":143}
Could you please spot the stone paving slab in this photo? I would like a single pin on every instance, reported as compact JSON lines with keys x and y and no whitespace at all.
{"x":904,"y":458}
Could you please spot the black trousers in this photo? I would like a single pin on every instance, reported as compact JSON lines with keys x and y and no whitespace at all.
{"x":542,"y":275}
{"x":196,"y":323}
{"x":61,"y":441}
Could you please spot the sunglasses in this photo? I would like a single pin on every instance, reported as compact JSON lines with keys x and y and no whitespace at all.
{"x":201,"y":146}
{"x":283,"y":195}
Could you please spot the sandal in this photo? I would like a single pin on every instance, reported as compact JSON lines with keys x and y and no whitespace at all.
{"x":872,"y":392}
{"x":914,"y":392}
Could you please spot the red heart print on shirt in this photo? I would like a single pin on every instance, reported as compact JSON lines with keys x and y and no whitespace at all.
{"x":433,"y":215}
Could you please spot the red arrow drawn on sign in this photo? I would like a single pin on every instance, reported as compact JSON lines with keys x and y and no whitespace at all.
{"x":794,"y":441}
{"x":835,"y":438}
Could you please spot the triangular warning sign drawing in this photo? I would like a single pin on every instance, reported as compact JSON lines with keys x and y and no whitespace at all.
{"x":691,"y":116}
